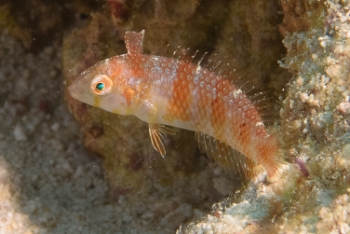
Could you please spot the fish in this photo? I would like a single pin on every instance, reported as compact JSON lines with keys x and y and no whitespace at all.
{"x":174,"y":93}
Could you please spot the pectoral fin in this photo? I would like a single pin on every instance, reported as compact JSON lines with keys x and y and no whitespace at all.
{"x":158,"y":132}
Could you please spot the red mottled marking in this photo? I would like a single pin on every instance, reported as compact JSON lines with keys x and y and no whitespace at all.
{"x":180,"y":102}
{"x":115,"y":69}
{"x":219,"y":109}
{"x":128,"y":93}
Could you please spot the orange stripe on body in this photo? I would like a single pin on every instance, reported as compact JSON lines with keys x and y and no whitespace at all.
{"x":218,"y":105}
{"x":180,"y":102}
{"x":238,"y":130}
{"x":133,"y":94}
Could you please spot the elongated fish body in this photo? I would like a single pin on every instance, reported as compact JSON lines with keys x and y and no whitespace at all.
{"x":165,"y":91}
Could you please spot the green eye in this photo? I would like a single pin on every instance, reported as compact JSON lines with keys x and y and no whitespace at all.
{"x":100,"y":86}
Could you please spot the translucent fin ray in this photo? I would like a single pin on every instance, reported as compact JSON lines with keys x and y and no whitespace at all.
{"x":231,"y":159}
{"x":157,"y":133}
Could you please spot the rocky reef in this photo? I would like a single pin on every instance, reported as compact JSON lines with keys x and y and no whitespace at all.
{"x":315,"y":121}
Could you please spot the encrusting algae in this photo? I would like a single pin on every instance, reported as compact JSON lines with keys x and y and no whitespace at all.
{"x":175,"y":92}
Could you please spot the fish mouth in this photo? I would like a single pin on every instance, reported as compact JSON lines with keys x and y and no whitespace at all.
{"x":81,"y":92}
{"x":75,"y":92}
{"x":71,"y":91}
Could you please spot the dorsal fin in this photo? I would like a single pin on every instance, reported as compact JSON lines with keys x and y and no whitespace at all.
{"x":134,"y":42}
{"x":224,"y":155}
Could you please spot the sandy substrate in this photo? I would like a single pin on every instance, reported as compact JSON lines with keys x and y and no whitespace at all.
{"x":44,"y":167}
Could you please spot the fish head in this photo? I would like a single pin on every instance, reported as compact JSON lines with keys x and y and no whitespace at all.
{"x":103,"y":85}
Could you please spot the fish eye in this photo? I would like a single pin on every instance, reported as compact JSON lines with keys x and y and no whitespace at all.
{"x":101,"y":85}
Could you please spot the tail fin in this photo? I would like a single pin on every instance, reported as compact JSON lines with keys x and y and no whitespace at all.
{"x":274,"y":155}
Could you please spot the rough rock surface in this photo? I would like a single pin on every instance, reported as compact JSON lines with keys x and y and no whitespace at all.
{"x":315,"y":121}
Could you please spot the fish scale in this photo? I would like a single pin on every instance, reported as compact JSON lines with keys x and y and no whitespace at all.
{"x":174,"y":92}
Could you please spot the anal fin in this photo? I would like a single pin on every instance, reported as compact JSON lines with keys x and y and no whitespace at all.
{"x":229,"y":158}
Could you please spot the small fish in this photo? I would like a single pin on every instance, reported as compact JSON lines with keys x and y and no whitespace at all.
{"x":173,"y":92}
